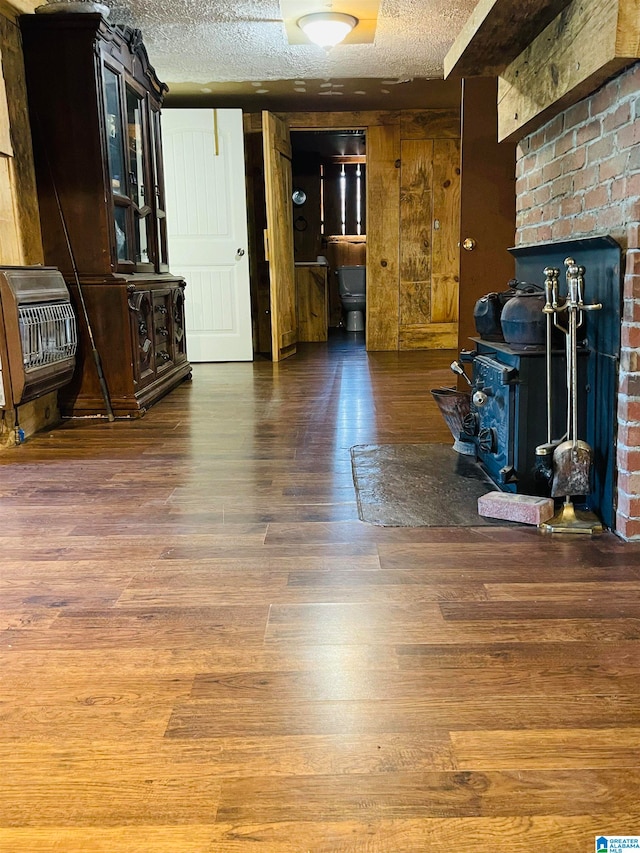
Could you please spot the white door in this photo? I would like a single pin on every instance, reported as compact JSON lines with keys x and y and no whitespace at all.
{"x":203,"y":154}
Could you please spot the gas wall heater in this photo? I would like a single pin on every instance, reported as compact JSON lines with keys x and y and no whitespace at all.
{"x":39,"y":333}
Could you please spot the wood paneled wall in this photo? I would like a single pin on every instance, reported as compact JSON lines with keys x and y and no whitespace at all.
{"x":21,"y":242}
{"x":413,"y":223}
{"x":383,"y":236}
{"x":20,"y":236}
{"x":429,"y":230}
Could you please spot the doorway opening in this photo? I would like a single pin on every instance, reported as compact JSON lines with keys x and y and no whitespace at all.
{"x":329,"y":217}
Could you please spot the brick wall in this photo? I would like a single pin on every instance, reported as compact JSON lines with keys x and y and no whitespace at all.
{"x":579,"y":176}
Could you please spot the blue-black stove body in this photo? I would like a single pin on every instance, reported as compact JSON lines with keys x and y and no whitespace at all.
{"x":508,"y":417}
{"x":512,"y":422}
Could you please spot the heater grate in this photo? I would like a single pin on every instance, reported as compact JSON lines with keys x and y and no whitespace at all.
{"x":38,"y":333}
{"x":48,"y":333}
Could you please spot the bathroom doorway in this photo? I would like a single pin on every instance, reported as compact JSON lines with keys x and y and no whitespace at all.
{"x":329,"y":198}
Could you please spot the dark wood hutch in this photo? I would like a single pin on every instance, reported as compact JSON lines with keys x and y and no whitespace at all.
{"x":94,"y":103}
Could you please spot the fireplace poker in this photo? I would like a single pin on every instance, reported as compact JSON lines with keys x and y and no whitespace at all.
{"x":544,"y":452}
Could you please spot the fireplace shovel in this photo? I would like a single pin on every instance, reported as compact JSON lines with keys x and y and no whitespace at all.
{"x":572,"y":458}
{"x":571,"y":469}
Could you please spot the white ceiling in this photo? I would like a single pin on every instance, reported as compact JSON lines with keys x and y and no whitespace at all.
{"x":208,"y":46}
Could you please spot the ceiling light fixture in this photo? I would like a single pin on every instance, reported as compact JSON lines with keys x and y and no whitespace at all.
{"x":327,"y":29}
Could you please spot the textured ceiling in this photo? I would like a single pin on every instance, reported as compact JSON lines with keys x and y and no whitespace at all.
{"x":205,"y":44}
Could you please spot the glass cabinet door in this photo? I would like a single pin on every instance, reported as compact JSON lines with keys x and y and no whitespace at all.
{"x":132,"y":160}
{"x":116,"y":160}
{"x":161,"y":221}
{"x":114,"y":130}
{"x":138,"y":173}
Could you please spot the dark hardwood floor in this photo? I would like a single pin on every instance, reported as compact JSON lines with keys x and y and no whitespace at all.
{"x":203,"y":650}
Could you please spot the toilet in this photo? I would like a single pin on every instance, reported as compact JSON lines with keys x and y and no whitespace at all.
{"x":352,"y":286}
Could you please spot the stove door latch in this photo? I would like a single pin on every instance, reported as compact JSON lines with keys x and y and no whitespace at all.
{"x":508,"y":475}
{"x":509,"y":375}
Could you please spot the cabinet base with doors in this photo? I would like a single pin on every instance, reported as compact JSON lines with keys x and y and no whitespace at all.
{"x":94,"y":102}
{"x":138,"y":324}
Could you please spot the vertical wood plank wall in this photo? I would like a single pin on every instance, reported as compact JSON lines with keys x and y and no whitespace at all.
{"x":445,"y":236}
{"x":416,"y":216}
{"x":383,"y":233}
{"x":21,"y":242}
{"x":20,"y":236}
{"x":429,"y":230}
{"x":413,"y":222}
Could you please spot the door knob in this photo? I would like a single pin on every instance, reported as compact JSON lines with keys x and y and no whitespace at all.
{"x":468,"y":244}
{"x":239,"y":253}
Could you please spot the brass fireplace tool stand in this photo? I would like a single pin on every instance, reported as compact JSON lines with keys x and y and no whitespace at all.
{"x":572,"y":457}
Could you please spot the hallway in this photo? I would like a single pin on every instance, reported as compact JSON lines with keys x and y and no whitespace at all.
{"x":203,"y":650}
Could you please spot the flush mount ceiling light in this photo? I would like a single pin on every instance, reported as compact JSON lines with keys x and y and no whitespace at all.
{"x":327,"y":28}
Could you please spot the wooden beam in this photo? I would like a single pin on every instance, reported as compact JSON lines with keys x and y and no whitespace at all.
{"x":352,"y":119}
{"x":495,"y":33}
{"x":584,"y":46}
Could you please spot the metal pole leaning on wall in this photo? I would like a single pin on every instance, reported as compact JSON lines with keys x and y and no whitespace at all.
{"x":94,"y":350}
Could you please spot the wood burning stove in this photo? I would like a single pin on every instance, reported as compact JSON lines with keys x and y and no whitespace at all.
{"x":508,"y":404}
{"x":40,"y":333}
{"x":508,"y":409}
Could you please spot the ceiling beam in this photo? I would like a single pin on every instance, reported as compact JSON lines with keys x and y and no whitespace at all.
{"x":496,"y":33}
{"x":583,"y":47}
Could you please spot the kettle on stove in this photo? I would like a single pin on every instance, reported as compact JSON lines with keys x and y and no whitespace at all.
{"x":522,"y":320}
{"x":488,"y":310}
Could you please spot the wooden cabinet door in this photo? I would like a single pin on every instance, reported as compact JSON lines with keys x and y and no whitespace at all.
{"x":141,"y":315}
{"x":279,"y":235}
{"x":178,"y":324}
{"x":162,"y":330}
